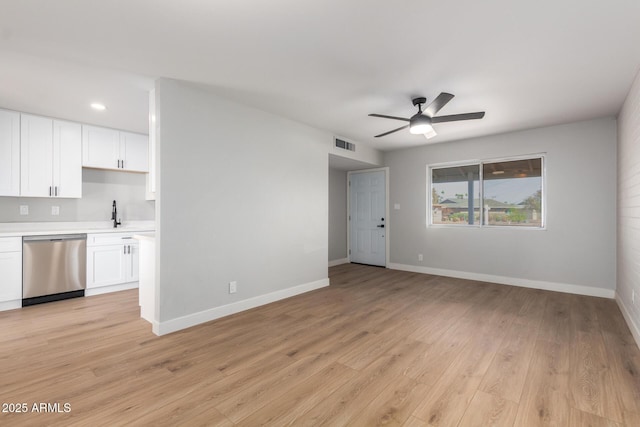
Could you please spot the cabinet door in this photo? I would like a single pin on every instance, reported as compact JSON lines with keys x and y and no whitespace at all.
{"x":11,"y":273}
{"x":133,"y":262}
{"x":106,"y":265}
{"x":36,"y":156}
{"x":9,"y":153}
{"x":67,"y":159}
{"x":134,"y":151}
{"x":100,"y":147}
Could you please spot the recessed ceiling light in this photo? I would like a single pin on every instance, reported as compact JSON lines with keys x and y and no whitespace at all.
{"x":98,"y":106}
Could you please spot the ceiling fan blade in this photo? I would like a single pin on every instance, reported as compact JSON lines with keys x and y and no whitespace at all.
{"x":392,"y":131}
{"x":437,"y":104}
{"x":457,"y":117}
{"x":389,"y":117}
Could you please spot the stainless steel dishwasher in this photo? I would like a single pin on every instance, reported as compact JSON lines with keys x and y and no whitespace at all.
{"x":53,"y":267}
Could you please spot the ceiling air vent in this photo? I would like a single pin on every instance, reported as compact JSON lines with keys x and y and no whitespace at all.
{"x":345,"y":145}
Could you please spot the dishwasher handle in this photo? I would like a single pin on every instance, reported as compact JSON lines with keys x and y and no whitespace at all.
{"x":54,"y":238}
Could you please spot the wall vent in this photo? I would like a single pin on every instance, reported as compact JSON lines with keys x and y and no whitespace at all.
{"x":345,"y":145}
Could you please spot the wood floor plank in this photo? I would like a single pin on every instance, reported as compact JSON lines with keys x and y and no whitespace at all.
{"x":355,"y":395}
{"x":487,"y":410}
{"x":394,"y":405}
{"x":579,"y":418}
{"x":291,"y":405}
{"x":452,"y":393}
{"x":545,"y":401}
{"x":377,"y":347}
{"x":263,"y":390}
{"x":507,"y":374}
{"x":631,"y":418}
{"x":369,"y":349}
{"x":414,"y":422}
{"x":591,"y":386}
{"x":622,"y":354}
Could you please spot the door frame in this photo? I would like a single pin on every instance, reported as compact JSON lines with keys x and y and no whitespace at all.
{"x":386,"y":210}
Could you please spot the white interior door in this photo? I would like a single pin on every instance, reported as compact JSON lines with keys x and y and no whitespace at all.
{"x":368,"y":218}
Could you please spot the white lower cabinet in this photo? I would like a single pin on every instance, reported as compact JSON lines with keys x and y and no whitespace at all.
{"x":10,"y":272}
{"x":112,"y":262}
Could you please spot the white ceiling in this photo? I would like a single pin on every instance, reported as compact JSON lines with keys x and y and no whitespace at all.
{"x":326,"y":63}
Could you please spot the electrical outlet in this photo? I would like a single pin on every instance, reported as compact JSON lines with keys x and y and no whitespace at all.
{"x":55,"y":210}
{"x":396,"y":206}
{"x":420,"y":257}
{"x":24,"y":209}
{"x":233,"y":287}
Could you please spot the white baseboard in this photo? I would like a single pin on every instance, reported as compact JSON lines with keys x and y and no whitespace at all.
{"x":173,"y":325}
{"x":633,"y":327}
{"x":514,"y":281}
{"x":338,"y":262}
{"x":10,"y":305}
{"x":107,"y":289}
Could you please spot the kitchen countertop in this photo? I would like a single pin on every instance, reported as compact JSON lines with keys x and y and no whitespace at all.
{"x":147,"y":236}
{"x":19,"y":229}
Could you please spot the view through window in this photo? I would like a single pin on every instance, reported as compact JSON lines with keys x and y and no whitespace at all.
{"x":506,"y":193}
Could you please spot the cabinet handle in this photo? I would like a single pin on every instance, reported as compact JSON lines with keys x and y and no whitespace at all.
{"x":122,"y":164}
{"x":125,"y":249}
{"x":118,"y":163}
{"x":49,"y":191}
{"x":56,"y":191}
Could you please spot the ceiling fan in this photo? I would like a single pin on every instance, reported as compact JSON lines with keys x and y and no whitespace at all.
{"x":422,"y":121}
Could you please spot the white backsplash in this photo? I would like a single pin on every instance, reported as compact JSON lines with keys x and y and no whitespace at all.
{"x":99,"y":189}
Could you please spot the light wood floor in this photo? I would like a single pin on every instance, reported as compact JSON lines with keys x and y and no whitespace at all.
{"x":376,"y":347}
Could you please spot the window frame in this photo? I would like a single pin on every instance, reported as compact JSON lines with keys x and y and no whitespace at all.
{"x":481,"y":163}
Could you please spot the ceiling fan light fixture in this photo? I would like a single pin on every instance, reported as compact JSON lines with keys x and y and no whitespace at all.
{"x":420,"y":125}
{"x":430,"y":134}
{"x":421,"y":129}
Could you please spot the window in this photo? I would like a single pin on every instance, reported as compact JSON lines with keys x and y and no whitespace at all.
{"x":450,"y":190}
{"x":493,"y":193}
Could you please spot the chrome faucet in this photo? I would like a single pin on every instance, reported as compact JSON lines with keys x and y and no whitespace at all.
{"x":114,"y":216}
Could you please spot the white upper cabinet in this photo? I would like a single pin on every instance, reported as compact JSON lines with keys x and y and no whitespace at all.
{"x":134,"y":152}
{"x":67,"y":159}
{"x":111,"y":149}
{"x":9,"y":153}
{"x":36,"y":156}
{"x":50,"y":158}
{"x":100,"y":147}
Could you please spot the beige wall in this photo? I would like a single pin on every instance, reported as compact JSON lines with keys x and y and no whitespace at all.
{"x":242,"y":196}
{"x":576,"y":251}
